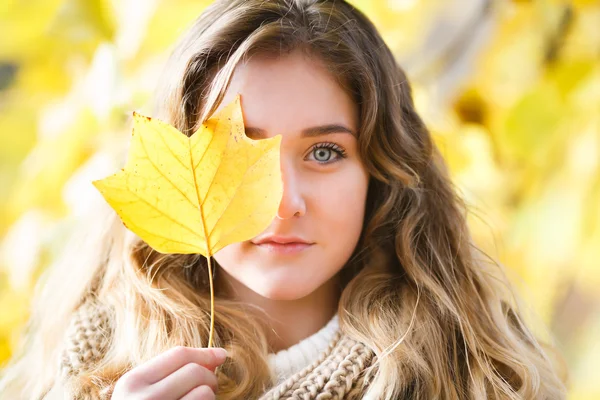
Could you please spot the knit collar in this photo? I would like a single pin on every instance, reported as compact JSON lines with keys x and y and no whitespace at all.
{"x":285,"y":363}
{"x":336,"y":373}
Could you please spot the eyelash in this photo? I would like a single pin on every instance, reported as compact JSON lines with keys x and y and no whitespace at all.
{"x":331,"y":146}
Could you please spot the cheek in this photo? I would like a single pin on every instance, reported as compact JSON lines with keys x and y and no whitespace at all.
{"x":230,"y":255}
{"x":339,"y":202}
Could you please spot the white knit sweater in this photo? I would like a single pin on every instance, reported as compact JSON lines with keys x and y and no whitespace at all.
{"x":327,"y":365}
{"x":286,"y":363}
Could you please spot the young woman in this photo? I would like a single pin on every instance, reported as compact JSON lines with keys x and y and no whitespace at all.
{"x":366,"y":284}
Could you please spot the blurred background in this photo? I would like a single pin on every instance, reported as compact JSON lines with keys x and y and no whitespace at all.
{"x":510,"y":90}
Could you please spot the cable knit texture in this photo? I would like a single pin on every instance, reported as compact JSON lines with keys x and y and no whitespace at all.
{"x":337,"y":371}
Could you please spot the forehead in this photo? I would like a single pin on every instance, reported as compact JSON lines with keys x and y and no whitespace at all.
{"x":290,"y":93}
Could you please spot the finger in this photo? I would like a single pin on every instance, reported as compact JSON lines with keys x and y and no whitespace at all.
{"x":184,"y":380}
{"x":173,"y":359}
{"x":200,"y":393}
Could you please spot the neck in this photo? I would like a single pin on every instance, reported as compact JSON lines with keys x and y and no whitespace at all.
{"x":288,"y":321}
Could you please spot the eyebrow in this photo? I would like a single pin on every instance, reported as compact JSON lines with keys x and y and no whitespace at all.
{"x":314,"y":131}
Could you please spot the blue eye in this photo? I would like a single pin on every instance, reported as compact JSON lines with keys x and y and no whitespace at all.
{"x":324,"y":152}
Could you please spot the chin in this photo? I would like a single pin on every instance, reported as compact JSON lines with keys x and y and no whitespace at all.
{"x":282,"y":292}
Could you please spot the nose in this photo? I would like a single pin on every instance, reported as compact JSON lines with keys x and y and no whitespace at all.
{"x":292,"y":202}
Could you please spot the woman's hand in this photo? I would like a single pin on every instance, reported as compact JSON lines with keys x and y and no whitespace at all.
{"x":180,"y":373}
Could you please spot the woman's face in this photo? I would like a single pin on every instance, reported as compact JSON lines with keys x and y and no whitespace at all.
{"x":324,"y":180}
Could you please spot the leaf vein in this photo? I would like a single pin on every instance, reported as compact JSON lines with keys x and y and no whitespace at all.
{"x":164,"y":214}
{"x":163,"y":175}
{"x":234,"y":194}
{"x":171,"y":151}
{"x":168,"y":239}
{"x":204,"y":153}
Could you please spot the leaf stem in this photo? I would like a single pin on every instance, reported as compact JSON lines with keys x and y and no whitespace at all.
{"x":212,"y":302}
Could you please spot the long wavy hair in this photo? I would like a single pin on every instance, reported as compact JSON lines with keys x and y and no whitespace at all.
{"x":438,"y":313}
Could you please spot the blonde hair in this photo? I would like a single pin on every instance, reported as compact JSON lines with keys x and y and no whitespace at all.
{"x":442,"y":321}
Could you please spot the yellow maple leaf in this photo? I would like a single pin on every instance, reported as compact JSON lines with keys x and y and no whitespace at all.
{"x":196,"y":194}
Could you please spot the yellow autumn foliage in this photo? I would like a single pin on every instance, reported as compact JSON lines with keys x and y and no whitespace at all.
{"x":196,"y":194}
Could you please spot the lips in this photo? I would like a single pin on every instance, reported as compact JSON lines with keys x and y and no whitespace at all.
{"x":284,"y":248}
{"x":282,"y":244}
{"x":281,"y":240}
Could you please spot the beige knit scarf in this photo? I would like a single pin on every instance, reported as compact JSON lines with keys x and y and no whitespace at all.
{"x":338,"y":373}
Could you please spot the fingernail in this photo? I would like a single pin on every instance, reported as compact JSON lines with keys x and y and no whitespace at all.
{"x":220,"y":354}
